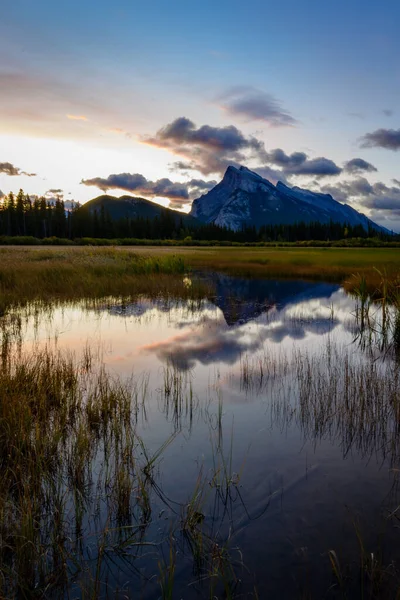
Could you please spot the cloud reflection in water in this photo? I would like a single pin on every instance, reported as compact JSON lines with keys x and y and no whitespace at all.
{"x":316,"y":310}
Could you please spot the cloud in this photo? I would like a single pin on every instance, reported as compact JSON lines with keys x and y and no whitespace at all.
{"x":206,"y":149}
{"x":180,"y":193}
{"x":382,"y":138}
{"x":208,"y":343}
{"x":349,"y":191}
{"x":273,"y":175}
{"x":357,"y":165}
{"x":279,"y":158}
{"x":199,"y":186}
{"x":54,"y":192}
{"x":255,"y":105}
{"x":387,"y":112}
{"x":210,"y":150}
{"x":212,"y":340}
{"x":135,"y":182}
{"x":389,"y":219}
{"x":377,"y":195}
{"x":381,"y":199}
{"x":77,"y":117}
{"x":120,"y":131}
{"x":320,"y":167}
{"x":196,"y":188}
{"x":9,"y":169}
{"x":184,"y":131}
{"x":299,"y":163}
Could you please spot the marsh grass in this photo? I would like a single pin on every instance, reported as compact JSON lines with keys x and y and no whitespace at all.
{"x":263,"y":369}
{"x":73,"y":272}
{"x":321,"y":264}
{"x":53,"y":421}
{"x":177,"y":399}
{"x":28,"y":275}
{"x":367,"y":578}
{"x":80,"y":496}
{"x":377,"y":313}
{"x":65,"y":517}
{"x":353,"y":400}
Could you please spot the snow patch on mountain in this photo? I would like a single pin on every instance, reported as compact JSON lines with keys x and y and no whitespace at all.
{"x":245,"y":198}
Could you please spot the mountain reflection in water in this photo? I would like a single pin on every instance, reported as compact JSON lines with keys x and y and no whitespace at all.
{"x":250,"y":313}
{"x":262,"y":387}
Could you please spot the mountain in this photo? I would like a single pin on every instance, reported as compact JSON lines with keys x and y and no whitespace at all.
{"x":244,"y":299}
{"x":245,"y":198}
{"x":134,"y":208}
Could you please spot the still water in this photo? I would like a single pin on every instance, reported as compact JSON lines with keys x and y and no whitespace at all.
{"x":220,"y":383}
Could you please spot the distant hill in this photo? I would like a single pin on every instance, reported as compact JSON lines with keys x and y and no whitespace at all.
{"x":244,"y":198}
{"x":135,"y":208}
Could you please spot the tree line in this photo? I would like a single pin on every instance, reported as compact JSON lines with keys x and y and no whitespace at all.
{"x":22,"y":216}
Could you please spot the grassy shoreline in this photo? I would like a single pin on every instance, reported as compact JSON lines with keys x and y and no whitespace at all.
{"x":188,"y":242}
{"x":71,"y":272}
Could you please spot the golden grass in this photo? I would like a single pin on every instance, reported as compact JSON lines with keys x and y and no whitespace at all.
{"x":60,"y":419}
{"x":333,"y":264}
{"x":72,"y":273}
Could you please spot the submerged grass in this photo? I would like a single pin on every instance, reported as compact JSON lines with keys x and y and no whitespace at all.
{"x":353,"y":401}
{"x":79,"y":485}
{"x":378,"y":314}
{"x":79,"y":497}
{"x":52,"y":420}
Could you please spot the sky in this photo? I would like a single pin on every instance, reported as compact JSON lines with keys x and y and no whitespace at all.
{"x":156,"y":99}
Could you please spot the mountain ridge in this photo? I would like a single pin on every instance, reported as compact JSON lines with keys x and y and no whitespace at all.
{"x":244,"y":198}
{"x":134,"y":207}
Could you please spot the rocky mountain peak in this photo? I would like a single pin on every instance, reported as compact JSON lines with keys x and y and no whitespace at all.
{"x":244,"y":198}
{"x":244,"y":179}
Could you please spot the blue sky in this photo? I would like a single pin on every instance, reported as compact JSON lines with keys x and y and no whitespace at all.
{"x":91,"y":90}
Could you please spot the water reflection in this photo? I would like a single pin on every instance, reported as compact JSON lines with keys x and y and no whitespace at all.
{"x":253,"y":313}
{"x":242,"y":300}
{"x":268,"y":422}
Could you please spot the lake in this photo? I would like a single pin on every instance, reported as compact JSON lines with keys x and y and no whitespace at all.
{"x":269,"y":433}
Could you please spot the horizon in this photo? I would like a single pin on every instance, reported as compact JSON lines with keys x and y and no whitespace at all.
{"x":155,"y":103}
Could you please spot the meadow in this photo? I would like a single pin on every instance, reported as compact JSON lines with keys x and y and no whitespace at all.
{"x":60,"y":271}
{"x":329,"y":264}
{"x":51,"y":274}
